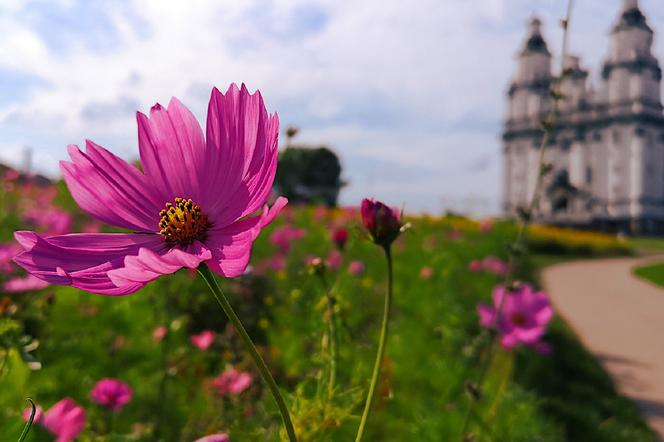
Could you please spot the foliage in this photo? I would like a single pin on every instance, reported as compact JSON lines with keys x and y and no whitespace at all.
{"x":434,"y":347}
{"x":309,"y":175}
{"x":558,"y":240}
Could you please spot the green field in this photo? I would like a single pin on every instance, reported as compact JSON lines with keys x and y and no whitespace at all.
{"x":434,"y":347}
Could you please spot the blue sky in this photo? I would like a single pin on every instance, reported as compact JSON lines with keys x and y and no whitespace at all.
{"x":410,"y":94}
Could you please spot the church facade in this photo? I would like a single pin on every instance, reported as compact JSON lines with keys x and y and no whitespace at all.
{"x":607,"y":148}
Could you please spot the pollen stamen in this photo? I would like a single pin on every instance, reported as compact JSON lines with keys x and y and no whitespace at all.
{"x":182,"y":222}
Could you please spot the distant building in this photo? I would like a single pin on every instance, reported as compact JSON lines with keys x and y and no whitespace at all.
{"x":607,"y":150}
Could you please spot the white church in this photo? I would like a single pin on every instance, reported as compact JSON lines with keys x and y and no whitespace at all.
{"x":607,"y":148}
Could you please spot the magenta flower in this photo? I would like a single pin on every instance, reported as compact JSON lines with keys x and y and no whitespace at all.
{"x":334,"y":260}
{"x":486,"y":226}
{"x":159,"y":333}
{"x":203,"y":340}
{"x":65,"y":419}
{"x":111,"y":393}
{"x":340,"y":237}
{"x":382,"y":222}
{"x":283,"y":236}
{"x":495,"y":265}
{"x":219,"y":437}
{"x":232,"y":381}
{"x":475,"y":266}
{"x":356,"y":268}
{"x":278,"y":262}
{"x":194,"y":203}
{"x":24,"y":284}
{"x":524,"y":317}
{"x":7,"y":252}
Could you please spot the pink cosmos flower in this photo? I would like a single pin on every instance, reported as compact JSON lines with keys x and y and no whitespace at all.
{"x":340,"y":237}
{"x":356,"y":268}
{"x":278,"y":262}
{"x":111,"y":393}
{"x":65,"y":419}
{"x":159,"y":333}
{"x":24,"y":284}
{"x":495,"y":265}
{"x":334,"y":260}
{"x":203,"y":340}
{"x":232,"y":381}
{"x":426,"y":272}
{"x":219,"y":437}
{"x":51,"y":220}
{"x":7,"y":252}
{"x":475,"y":266}
{"x":283,"y":236}
{"x":486,"y":226}
{"x":196,"y":202}
{"x":524,"y":317}
{"x":382,"y":222}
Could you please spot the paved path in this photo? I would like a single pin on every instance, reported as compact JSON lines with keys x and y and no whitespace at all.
{"x":620,"y":319}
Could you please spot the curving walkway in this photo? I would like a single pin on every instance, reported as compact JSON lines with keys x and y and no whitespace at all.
{"x":620,"y":319}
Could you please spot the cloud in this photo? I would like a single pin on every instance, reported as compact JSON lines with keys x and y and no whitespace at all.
{"x":411,"y":96}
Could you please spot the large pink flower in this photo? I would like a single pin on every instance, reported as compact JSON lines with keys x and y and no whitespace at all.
{"x":219,"y":437}
{"x":111,"y":393}
{"x":524,"y":316}
{"x":197,"y":201}
{"x":65,"y":419}
{"x":24,"y":284}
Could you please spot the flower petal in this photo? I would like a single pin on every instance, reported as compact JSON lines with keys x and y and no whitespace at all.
{"x":173,"y":151}
{"x":83,"y":260}
{"x":242,"y":142}
{"x":231,"y":245}
{"x":148,"y":265}
{"x":110,"y":189}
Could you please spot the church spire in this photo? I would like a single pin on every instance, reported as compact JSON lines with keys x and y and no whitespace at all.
{"x":535,"y":42}
{"x":631,"y":17}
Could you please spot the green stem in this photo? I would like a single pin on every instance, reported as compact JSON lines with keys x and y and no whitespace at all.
{"x":28,"y":424}
{"x":333,"y":336}
{"x":381,"y":347}
{"x":209,"y":278}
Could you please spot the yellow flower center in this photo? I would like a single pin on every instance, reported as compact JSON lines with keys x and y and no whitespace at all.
{"x":182,"y":222}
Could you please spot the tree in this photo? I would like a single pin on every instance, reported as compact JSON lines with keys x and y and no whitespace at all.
{"x":309,"y":175}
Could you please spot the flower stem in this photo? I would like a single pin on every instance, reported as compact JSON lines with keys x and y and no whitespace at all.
{"x":28,"y":424}
{"x":333,"y":336}
{"x":209,"y":278}
{"x":381,"y":347}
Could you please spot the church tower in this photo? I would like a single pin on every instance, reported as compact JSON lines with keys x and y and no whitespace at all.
{"x":607,"y":147}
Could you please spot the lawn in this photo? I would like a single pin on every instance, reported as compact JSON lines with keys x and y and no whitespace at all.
{"x":435,"y":346}
{"x":651,"y":272}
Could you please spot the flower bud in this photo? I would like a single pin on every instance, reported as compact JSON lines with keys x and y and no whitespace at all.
{"x":382,"y":222}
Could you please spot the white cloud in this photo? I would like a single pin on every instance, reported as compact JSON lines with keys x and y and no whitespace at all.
{"x":415,"y":85}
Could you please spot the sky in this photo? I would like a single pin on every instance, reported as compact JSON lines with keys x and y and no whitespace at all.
{"x":411,"y":95}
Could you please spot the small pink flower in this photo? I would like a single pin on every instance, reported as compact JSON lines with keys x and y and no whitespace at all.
{"x":283,"y":236}
{"x":203,"y":340}
{"x":340,"y":237}
{"x":382,"y":222}
{"x":39,"y":415}
{"x":65,"y":419}
{"x":475,"y":266}
{"x":24,"y":284}
{"x":426,"y":272}
{"x":92,"y":227}
{"x":159,"y":333}
{"x":232,"y":381}
{"x":356,"y":268}
{"x":486,"y":226}
{"x":278,"y":262}
{"x":334,"y":260}
{"x":455,"y":234}
{"x":7,"y":252}
{"x":495,"y":265}
{"x":219,"y":437}
{"x":111,"y":393}
{"x":524,"y":317}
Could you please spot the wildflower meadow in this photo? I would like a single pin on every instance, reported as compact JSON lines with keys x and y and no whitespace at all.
{"x":182,"y":296}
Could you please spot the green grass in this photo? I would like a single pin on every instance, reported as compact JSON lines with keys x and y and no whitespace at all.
{"x":651,"y":272}
{"x":648,"y":244}
{"x":434,"y":347}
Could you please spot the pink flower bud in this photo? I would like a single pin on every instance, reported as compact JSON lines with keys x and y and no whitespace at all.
{"x":382,"y":222}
